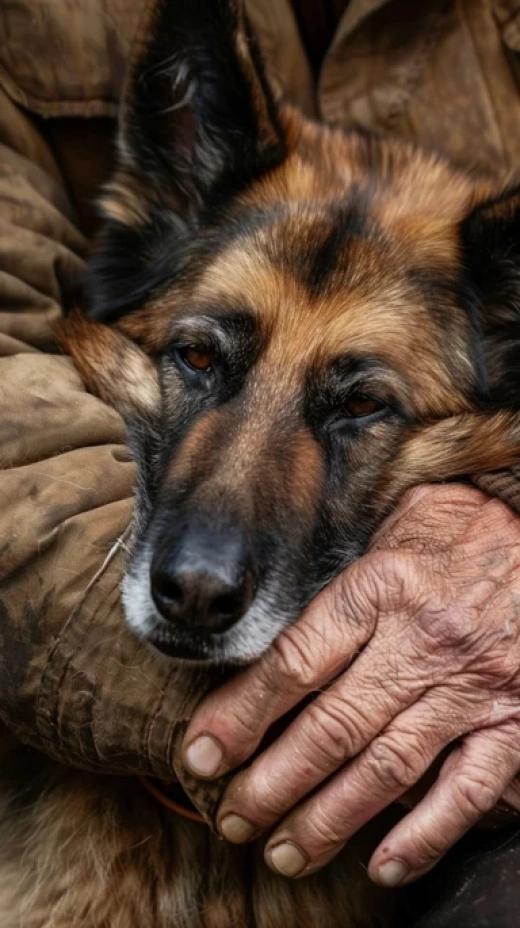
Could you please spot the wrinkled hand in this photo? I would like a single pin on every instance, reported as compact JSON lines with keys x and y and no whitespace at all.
{"x":421,"y":639}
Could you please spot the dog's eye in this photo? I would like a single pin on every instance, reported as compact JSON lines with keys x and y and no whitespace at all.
{"x":360,"y":407}
{"x":195,"y":358}
{"x":358,"y":410}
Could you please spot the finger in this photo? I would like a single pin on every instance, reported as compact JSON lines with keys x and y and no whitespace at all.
{"x":388,"y":768}
{"x":230,"y":723}
{"x":334,"y":728}
{"x":470,"y":785}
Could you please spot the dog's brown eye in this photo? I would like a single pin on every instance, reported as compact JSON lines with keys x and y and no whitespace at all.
{"x":197,"y":359}
{"x":357,"y":407}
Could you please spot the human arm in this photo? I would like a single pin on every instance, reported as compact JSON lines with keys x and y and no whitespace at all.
{"x":74,"y":682}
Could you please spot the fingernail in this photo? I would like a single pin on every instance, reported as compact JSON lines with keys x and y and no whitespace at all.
{"x":204,"y":756}
{"x":287,"y":859}
{"x":392,"y":873}
{"x":236,"y":829}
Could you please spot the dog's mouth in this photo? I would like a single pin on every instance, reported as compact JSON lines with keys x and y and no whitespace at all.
{"x":239,"y":643}
{"x":187,"y":645}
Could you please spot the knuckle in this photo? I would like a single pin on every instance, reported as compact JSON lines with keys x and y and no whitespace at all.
{"x":389,"y":564}
{"x":394,"y":766}
{"x":243,"y":721}
{"x":425,"y":518}
{"x":426,"y":847}
{"x":352,"y":596}
{"x":400,"y":571}
{"x":438,"y":502}
{"x":446,"y":626}
{"x":475,"y":796}
{"x":322,"y":833}
{"x":267,"y":801}
{"x":379,"y":581}
{"x":334,"y":730}
{"x":293,"y":655}
{"x":241,"y":738}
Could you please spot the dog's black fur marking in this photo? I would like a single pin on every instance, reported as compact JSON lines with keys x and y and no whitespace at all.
{"x":191,"y":123}
{"x":490,"y":239}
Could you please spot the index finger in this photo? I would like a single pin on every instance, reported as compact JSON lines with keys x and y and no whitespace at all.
{"x":230,"y":723}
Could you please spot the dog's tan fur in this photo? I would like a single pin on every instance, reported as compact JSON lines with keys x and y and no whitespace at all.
{"x":82,"y":851}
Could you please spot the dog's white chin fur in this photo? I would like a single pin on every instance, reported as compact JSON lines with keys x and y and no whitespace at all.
{"x":243,"y":643}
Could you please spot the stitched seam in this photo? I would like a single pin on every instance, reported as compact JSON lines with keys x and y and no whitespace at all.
{"x":155,"y":715}
{"x":14,"y":90}
{"x":46,"y":716}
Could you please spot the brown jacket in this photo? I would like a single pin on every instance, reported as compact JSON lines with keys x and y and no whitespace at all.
{"x":73,"y":681}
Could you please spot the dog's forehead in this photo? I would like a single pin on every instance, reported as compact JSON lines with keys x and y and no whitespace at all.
{"x":329,"y":232}
{"x":327,"y":282}
{"x":302,"y":283}
{"x":343,"y":249}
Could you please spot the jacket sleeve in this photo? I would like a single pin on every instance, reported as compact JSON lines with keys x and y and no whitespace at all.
{"x":504,"y":484}
{"x":73,"y":681}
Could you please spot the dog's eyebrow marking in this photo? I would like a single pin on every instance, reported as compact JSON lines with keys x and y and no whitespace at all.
{"x":354,"y":371}
{"x":358,"y":368}
{"x":228,"y":324}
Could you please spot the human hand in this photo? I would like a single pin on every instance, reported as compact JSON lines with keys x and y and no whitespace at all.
{"x":412,"y":647}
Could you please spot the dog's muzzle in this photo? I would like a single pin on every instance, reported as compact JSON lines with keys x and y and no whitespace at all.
{"x":205,"y":580}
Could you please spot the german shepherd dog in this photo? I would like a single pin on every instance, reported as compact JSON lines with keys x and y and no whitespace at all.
{"x":297,"y":323}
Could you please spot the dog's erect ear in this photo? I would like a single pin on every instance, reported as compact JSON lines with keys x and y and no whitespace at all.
{"x":198,"y":114}
{"x":491,"y":253}
{"x":198,"y":123}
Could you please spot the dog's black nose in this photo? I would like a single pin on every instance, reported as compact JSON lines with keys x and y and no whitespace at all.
{"x":205,"y":582}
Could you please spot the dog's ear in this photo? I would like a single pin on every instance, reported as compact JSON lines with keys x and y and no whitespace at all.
{"x":198,"y":123}
{"x":491,"y":254}
{"x":111,"y":366}
{"x":198,"y":113}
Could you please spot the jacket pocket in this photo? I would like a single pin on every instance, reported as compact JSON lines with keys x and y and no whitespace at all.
{"x":65,"y":58}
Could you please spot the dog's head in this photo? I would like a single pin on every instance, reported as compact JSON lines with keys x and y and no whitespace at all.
{"x":301,"y":324}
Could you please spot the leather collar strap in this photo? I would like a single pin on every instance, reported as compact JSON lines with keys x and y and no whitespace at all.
{"x":173,"y":797}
